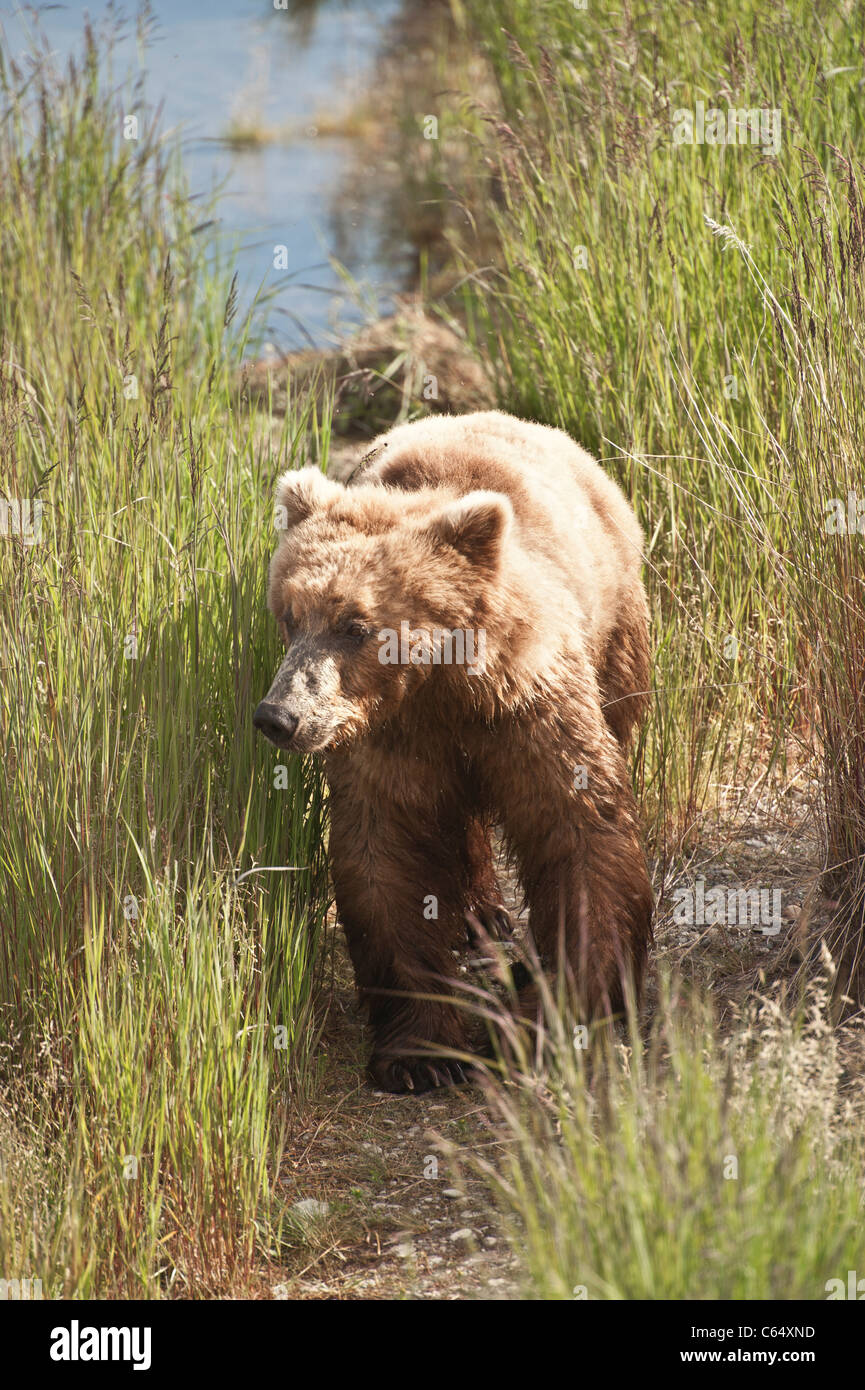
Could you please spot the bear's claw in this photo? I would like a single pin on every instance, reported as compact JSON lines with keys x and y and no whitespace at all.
{"x":399,"y":1075}
{"x":488,"y":921}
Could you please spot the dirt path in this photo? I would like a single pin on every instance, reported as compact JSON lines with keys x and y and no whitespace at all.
{"x":385,"y":1202}
{"x":387,"y":1210}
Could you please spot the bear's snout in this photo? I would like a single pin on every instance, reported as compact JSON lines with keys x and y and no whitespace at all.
{"x":275,"y":723}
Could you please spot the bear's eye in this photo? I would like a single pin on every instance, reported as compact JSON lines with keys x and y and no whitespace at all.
{"x":356,"y":629}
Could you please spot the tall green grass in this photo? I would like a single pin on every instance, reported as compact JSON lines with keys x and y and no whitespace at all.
{"x":155,"y":1010}
{"x":810,"y":524}
{"x":696,"y":1166}
{"x":614,"y":310}
{"x":694,"y":314}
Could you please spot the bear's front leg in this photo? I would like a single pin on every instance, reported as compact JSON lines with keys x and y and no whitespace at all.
{"x":398,"y":865}
{"x":569,"y":816}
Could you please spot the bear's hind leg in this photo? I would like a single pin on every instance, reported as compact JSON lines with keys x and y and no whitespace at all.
{"x":625,"y":678}
{"x":570,"y":818}
{"x":485,"y":910}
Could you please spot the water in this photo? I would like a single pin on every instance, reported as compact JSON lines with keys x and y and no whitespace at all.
{"x":213,"y":61}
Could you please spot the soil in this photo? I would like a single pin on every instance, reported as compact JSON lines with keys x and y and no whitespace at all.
{"x":396,"y":1210}
{"x":413,"y":362}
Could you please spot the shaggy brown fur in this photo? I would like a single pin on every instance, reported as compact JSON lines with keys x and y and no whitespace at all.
{"x":487,"y":523}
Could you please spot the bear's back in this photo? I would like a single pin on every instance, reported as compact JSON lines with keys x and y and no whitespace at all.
{"x":572,"y":520}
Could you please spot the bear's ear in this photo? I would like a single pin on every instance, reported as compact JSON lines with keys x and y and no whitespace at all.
{"x":475,"y":525}
{"x":300,"y":492}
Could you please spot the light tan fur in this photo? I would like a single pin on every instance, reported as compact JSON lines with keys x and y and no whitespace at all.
{"x":487,"y":523}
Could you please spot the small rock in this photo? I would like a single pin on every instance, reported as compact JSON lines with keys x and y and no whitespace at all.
{"x":465,"y":1233}
{"x":310,"y":1208}
{"x":452,"y":1192}
{"x":792,"y":912}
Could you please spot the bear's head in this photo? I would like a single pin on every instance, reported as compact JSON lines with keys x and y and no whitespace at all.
{"x":376,"y":591}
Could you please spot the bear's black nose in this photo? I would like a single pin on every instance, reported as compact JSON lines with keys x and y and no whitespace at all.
{"x":275,"y":723}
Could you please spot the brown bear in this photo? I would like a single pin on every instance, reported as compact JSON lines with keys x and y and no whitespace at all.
{"x":467,"y":644}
